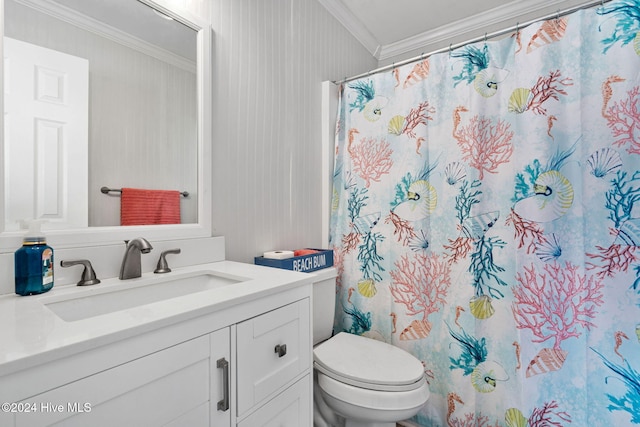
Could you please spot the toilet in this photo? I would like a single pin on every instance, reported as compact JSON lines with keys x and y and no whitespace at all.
{"x":359,"y":381}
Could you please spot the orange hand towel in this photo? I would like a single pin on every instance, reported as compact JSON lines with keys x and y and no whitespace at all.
{"x":148,"y":207}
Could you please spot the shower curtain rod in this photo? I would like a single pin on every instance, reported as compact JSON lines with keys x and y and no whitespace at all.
{"x":485,"y":37}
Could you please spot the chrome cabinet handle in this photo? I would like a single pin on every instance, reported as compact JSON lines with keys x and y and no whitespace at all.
{"x":281,"y":349}
{"x":223,"y":405}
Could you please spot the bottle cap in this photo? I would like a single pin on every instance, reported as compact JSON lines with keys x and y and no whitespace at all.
{"x":34,"y":234}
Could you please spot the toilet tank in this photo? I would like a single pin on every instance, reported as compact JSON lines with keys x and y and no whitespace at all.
{"x":324,"y":303}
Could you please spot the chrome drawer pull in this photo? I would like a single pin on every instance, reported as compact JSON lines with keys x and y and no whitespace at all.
{"x":281,"y":349}
{"x":223,"y":404}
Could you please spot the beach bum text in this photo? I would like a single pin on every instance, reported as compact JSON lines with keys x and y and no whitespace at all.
{"x":312,"y":262}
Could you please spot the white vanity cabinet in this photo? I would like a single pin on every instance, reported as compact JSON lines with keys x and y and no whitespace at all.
{"x":247,"y":366}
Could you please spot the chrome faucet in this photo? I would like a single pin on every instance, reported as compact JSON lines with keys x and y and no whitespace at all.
{"x":131,"y":267}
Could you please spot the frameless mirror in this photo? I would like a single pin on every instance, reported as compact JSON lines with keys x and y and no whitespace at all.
{"x":102,"y":94}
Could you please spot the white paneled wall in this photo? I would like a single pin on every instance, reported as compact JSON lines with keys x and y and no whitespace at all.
{"x":270,"y":58}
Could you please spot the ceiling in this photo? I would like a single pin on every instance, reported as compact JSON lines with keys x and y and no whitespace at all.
{"x":397,"y":28}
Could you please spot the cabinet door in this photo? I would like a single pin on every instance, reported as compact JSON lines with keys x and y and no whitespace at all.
{"x":273,"y":350}
{"x":221,"y":391}
{"x":289,"y":409}
{"x":151,"y":391}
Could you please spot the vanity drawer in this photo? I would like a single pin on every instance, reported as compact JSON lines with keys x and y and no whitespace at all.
{"x":264,"y":365}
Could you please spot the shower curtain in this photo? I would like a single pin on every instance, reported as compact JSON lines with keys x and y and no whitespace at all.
{"x":486,"y":218}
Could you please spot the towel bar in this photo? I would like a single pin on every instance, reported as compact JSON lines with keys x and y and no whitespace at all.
{"x":107,"y":190}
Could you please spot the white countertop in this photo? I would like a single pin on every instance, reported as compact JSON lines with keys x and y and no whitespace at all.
{"x":31,"y":333}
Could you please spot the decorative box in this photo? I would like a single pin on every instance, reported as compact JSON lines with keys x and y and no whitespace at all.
{"x":304,"y":263}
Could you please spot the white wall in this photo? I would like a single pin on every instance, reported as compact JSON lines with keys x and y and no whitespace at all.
{"x":270,"y":58}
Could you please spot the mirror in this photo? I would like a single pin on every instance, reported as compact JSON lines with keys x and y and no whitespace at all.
{"x":146,"y":112}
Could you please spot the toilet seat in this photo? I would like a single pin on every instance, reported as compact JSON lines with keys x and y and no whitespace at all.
{"x":368,"y":364}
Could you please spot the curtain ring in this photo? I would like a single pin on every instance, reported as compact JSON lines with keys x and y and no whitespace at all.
{"x":557,"y":14}
{"x":517,"y":28}
{"x":450,"y":44}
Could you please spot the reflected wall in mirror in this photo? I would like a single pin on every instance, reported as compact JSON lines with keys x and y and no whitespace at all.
{"x":135,"y":125}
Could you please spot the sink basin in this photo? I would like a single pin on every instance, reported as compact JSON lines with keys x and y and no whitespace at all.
{"x":127,"y":294}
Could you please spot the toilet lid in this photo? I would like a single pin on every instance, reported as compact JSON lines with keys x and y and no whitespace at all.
{"x":368,"y":363}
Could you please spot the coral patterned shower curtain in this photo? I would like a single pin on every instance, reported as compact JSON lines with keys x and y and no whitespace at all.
{"x":486,"y":218}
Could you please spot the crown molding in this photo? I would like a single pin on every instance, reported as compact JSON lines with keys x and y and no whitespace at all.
{"x":79,"y":20}
{"x":500,"y":17}
{"x":353,"y":25}
{"x":506,"y":15}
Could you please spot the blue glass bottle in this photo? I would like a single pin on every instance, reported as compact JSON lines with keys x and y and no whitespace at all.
{"x":33,"y":266}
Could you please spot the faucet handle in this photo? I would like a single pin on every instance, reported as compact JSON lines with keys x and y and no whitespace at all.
{"x":88,"y":274}
{"x":162,"y":266}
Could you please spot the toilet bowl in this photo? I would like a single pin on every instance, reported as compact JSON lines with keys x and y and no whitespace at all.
{"x":359,"y":381}
{"x":358,"y":407}
{"x":368,"y":382}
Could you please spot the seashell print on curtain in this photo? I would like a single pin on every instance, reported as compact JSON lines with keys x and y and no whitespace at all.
{"x":486,"y":218}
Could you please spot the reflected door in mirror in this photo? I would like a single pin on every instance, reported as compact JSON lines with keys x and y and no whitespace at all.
{"x":46,"y":136}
